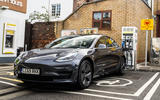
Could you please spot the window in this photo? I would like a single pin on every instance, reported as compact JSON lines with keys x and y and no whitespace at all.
{"x":102,"y":19}
{"x":56,"y":10}
{"x":111,"y":43}
{"x":102,"y":40}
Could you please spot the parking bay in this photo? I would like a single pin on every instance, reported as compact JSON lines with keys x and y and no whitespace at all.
{"x":132,"y":84}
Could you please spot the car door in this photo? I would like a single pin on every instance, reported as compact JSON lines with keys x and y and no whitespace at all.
{"x":115,"y":51}
{"x":101,"y":55}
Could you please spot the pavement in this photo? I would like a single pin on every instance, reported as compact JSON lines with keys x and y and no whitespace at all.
{"x":149,"y":67}
{"x":133,"y":85}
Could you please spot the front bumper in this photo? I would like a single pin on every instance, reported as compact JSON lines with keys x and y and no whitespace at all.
{"x":58,"y":73}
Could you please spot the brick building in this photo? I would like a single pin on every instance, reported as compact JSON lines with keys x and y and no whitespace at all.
{"x":12,"y":26}
{"x":119,"y":13}
{"x":78,"y":3}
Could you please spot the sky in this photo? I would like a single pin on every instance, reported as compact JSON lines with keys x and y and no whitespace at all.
{"x":35,"y":5}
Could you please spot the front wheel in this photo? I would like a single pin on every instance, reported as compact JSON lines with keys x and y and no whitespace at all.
{"x":121,"y":67}
{"x":84,"y":75}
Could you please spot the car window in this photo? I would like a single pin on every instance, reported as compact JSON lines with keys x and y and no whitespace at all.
{"x":111,"y":42}
{"x":102,"y":40}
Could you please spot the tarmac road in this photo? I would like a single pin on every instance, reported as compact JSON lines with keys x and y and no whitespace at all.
{"x":133,"y":85}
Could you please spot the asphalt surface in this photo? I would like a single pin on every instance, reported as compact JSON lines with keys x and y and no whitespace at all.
{"x":133,"y":85}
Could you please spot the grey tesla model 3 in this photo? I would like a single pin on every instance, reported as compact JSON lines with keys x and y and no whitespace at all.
{"x":72,"y":59}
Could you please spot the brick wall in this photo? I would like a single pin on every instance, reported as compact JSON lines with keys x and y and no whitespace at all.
{"x":58,"y":28}
{"x":124,"y":13}
{"x":141,"y":12}
{"x":156,"y":6}
{"x":42,"y":34}
{"x":78,"y":3}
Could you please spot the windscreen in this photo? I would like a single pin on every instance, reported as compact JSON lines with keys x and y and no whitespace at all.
{"x":76,"y":42}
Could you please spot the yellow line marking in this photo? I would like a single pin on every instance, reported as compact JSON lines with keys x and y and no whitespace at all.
{"x":10,"y":73}
{"x":6,"y":67}
{"x":11,"y":24}
{"x":10,"y":79}
{"x":7,"y":73}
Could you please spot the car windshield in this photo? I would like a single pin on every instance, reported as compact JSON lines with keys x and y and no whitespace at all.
{"x":75,"y":42}
{"x":58,"y":41}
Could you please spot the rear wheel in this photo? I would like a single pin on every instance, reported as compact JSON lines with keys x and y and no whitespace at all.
{"x":85,"y":75}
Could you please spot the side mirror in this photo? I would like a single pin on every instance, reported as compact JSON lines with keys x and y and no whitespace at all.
{"x":102,"y":46}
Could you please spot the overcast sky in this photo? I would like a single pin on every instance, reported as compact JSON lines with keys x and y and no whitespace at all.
{"x":35,"y":5}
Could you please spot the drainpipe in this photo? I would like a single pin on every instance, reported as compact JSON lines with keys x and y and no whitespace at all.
{"x":152,"y":32}
{"x":153,"y":16}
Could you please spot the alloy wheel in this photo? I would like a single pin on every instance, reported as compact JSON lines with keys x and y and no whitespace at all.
{"x":85,"y":74}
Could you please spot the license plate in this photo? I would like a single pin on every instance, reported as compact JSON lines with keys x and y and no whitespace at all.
{"x":30,"y":71}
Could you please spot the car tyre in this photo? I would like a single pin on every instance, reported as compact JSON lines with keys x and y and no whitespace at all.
{"x":85,"y":75}
{"x":121,"y":67}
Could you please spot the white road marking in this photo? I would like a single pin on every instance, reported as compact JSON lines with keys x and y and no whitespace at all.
{"x":9,"y":83}
{"x":95,"y":95}
{"x":127,"y":94}
{"x":111,"y":83}
{"x":138,"y":93}
{"x":14,"y":95}
{"x":108,"y":92}
{"x":152,"y":91}
{"x":108,"y":82}
{"x":9,"y":90}
{"x":7,"y":73}
{"x":10,"y":79}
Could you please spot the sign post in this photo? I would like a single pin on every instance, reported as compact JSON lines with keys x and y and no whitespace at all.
{"x":146,"y":48}
{"x":146,"y":24}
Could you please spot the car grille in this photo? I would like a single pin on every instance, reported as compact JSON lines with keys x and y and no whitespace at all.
{"x":63,"y":74}
{"x":41,"y":78}
{"x":36,"y":78}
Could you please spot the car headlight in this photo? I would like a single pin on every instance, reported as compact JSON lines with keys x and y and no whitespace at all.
{"x":68,"y":57}
{"x":18,"y":59}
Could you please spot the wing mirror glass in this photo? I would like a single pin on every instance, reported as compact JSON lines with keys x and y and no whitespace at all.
{"x":102,"y":46}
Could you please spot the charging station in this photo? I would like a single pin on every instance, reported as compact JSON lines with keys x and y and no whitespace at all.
{"x":129,"y":45}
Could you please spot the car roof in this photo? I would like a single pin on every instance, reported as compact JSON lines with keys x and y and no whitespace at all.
{"x":83,"y":35}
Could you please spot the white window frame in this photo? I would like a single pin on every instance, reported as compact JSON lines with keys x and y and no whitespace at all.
{"x":148,"y":2}
{"x":56,"y":10}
